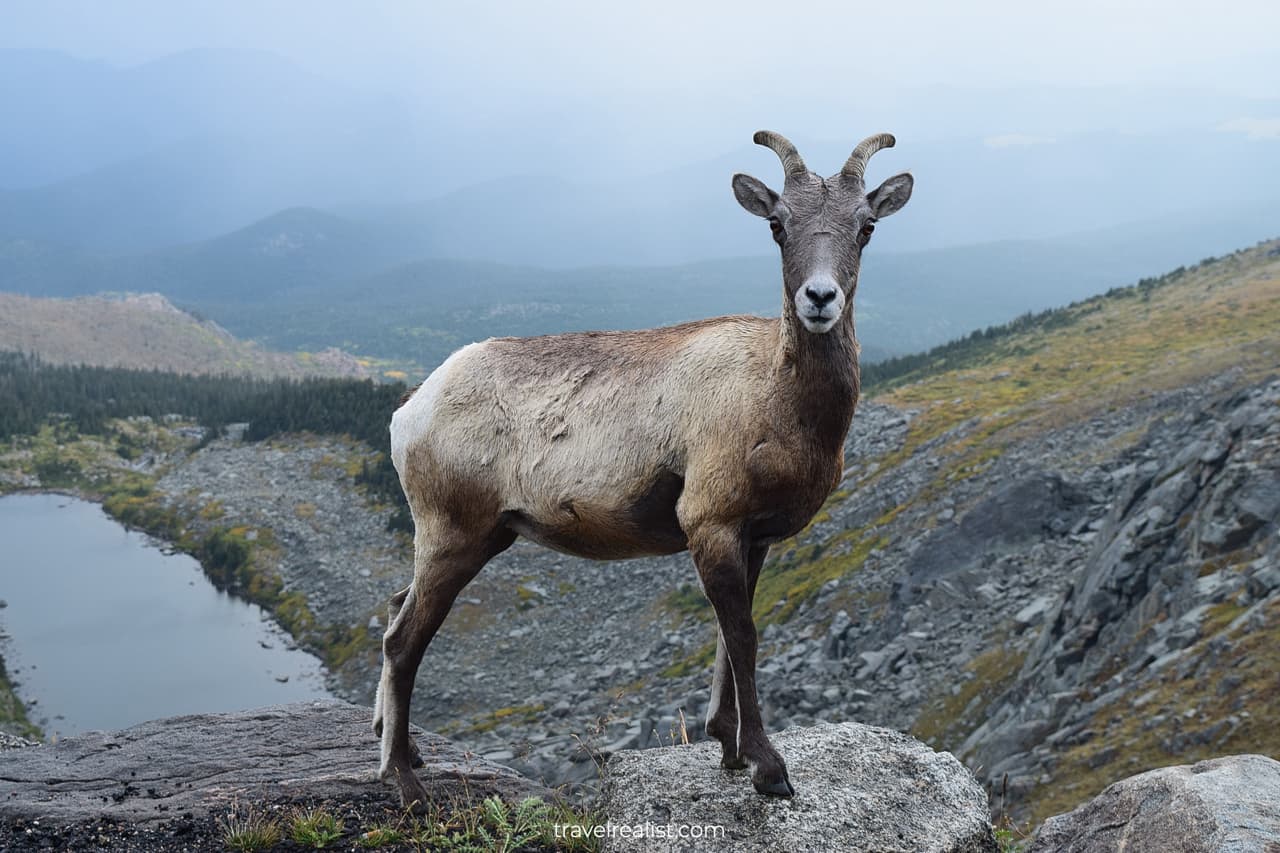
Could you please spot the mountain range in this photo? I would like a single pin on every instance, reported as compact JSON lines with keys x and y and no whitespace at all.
{"x":305,"y":279}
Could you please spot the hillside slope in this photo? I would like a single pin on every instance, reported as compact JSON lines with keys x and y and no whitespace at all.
{"x":145,"y":331}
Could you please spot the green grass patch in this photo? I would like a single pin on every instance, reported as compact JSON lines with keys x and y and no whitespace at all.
{"x":316,"y":828}
{"x":788,"y":582}
{"x":524,"y":714}
{"x":687,"y":598}
{"x":697,"y":661}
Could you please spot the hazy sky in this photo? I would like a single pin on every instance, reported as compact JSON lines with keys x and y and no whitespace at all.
{"x":567,"y":46}
{"x":1015,"y":116}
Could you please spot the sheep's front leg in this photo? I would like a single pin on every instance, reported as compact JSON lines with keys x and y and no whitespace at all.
{"x":721,"y":557}
{"x":722,"y":709}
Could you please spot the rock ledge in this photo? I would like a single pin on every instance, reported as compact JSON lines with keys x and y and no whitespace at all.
{"x":205,"y":763}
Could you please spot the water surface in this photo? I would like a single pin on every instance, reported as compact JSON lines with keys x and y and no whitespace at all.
{"x":105,"y":630}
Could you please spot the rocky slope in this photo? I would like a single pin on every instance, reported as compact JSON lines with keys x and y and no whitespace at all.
{"x":146,"y":332}
{"x":1054,"y":553}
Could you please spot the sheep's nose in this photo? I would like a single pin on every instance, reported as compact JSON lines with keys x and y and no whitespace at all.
{"x":820,"y":294}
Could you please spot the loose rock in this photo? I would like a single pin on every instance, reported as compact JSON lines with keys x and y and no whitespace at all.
{"x":1225,"y":804}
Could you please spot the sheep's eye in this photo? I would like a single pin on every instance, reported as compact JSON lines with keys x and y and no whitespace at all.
{"x":775,"y":225}
{"x":868,"y":227}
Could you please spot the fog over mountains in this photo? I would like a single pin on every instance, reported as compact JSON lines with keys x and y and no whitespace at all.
{"x":251,"y":189}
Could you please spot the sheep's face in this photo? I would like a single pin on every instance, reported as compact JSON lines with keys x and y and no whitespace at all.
{"x":821,"y":226}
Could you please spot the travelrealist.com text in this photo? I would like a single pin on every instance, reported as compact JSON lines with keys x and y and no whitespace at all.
{"x":640,"y":830}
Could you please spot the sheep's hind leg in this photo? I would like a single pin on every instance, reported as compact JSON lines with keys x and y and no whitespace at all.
{"x":441,"y":571}
{"x":722,"y":709}
{"x":393,"y":610}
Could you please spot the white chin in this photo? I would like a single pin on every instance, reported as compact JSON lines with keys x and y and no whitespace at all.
{"x":819,"y":327}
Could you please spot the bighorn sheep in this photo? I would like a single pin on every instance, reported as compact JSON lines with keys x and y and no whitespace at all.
{"x":719,"y":436}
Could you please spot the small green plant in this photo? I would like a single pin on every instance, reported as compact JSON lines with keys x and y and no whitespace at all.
{"x":249,"y":831}
{"x":511,"y":829}
{"x":561,"y":814}
{"x":1008,"y":840}
{"x":315,"y":828}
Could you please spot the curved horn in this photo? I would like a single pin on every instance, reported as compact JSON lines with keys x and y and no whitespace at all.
{"x":787,"y":153}
{"x":856,"y":165}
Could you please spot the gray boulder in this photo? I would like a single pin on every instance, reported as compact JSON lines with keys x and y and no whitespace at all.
{"x":204,"y":763}
{"x":1227,"y":804}
{"x":857,"y":788}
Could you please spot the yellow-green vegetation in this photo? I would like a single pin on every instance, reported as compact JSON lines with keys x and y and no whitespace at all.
{"x":13,"y":714}
{"x":786,"y":583}
{"x":696,"y":661}
{"x":525,"y":714}
{"x":316,"y":828}
{"x":947,"y":720}
{"x":1224,"y":699}
{"x":343,"y":644}
{"x":525,"y":596}
{"x":1100,"y":354}
{"x":1219,"y":616}
{"x":63,"y":458}
{"x":687,"y":598}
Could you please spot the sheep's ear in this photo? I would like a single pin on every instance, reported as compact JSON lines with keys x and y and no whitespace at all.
{"x":888,"y":198}
{"x":754,"y":196}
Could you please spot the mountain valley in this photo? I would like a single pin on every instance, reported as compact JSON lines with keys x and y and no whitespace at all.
{"x":1049,"y":541}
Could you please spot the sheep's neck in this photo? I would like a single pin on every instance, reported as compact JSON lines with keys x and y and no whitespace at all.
{"x":819,"y":374}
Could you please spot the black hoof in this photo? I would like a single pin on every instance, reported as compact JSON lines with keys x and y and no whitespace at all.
{"x":778,"y":788}
{"x":738,"y":763}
